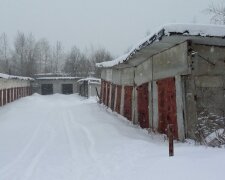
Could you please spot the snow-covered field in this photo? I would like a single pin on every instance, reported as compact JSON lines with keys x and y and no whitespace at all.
{"x":63,"y":137}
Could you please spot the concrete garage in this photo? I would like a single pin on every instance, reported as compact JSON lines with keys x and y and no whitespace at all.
{"x":13,"y":88}
{"x":53,"y":85}
{"x":89,"y":87}
{"x":174,"y":76}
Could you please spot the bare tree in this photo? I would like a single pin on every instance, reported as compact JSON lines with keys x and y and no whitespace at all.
{"x":98,"y":56}
{"x":217,"y":12}
{"x":43,"y":55}
{"x":24,"y":61}
{"x":4,"y":54}
{"x":58,"y":57}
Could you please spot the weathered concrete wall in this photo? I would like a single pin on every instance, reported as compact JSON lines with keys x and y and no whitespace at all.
{"x":57,"y":85}
{"x":11,"y":83}
{"x":208,"y":60}
{"x":205,"y":87}
{"x":127,"y":76}
{"x":171,"y":62}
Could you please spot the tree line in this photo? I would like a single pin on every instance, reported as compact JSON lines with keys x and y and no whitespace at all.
{"x":29,"y":56}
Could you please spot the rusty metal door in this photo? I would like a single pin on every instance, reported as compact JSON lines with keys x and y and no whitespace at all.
{"x":143,"y":104}
{"x":8,"y":95}
{"x":113,"y":96}
{"x":167,"y":105}
{"x":118,"y":98}
{"x":4,"y":96}
{"x":103,"y":92}
{"x":108,"y":95}
{"x":128,"y":102}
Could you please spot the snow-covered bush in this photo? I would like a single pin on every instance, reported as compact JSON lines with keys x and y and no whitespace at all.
{"x":210,"y":129}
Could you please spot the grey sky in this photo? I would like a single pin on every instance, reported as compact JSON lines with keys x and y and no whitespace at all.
{"x":113,"y":24}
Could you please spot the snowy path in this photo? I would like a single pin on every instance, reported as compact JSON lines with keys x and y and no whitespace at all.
{"x":69,"y":138}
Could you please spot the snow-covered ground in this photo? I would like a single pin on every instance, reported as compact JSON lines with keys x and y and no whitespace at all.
{"x":63,"y":137}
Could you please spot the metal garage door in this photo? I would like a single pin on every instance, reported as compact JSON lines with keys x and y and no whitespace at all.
{"x":107,"y":94}
{"x":46,"y":89}
{"x":113,"y":96}
{"x":68,"y":89}
{"x":128,"y":102}
{"x":167,"y":105}
{"x":143,"y":111}
{"x":118,"y":98}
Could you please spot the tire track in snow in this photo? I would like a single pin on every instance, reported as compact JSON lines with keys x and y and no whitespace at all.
{"x":30,"y":163}
{"x":86,"y":133}
{"x":97,"y":166}
{"x":23,"y":153}
{"x":35,"y":160}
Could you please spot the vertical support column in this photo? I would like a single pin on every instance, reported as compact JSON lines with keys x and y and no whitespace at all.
{"x":1,"y":97}
{"x":155,"y":106}
{"x":122,"y":101}
{"x":180,"y":108}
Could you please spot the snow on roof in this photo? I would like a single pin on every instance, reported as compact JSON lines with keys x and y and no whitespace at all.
{"x":6,"y":76}
{"x":91,"y":80}
{"x":58,"y":78}
{"x":169,"y":30}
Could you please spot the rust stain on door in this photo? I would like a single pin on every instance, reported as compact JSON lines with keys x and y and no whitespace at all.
{"x":118,"y":98}
{"x":128,"y":102}
{"x":167,"y":109}
{"x":143,"y":103}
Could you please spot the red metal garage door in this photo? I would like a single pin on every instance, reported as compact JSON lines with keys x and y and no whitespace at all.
{"x":104,"y":93}
{"x":113,"y":96}
{"x":143,"y":100}
{"x":167,"y":105}
{"x":118,"y":98}
{"x":128,"y":102}
{"x":4,"y":96}
{"x":108,"y":95}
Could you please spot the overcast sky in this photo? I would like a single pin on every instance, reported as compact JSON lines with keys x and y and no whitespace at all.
{"x":113,"y":24}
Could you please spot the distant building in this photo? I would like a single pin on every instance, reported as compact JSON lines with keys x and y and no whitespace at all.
{"x":89,"y":87}
{"x":47,"y":84}
{"x":174,"y":76}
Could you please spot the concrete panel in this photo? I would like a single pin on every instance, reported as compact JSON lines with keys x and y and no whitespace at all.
{"x":116,"y":76}
{"x":208,"y":60}
{"x":143,"y":72}
{"x":180,"y":108}
{"x":209,"y":81}
{"x":171,"y":62}
{"x":10,"y":83}
{"x":127,"y":76}
{"x":108,"y":74}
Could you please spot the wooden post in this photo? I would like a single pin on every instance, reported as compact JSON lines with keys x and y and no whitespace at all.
{"x":170,"y":136}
